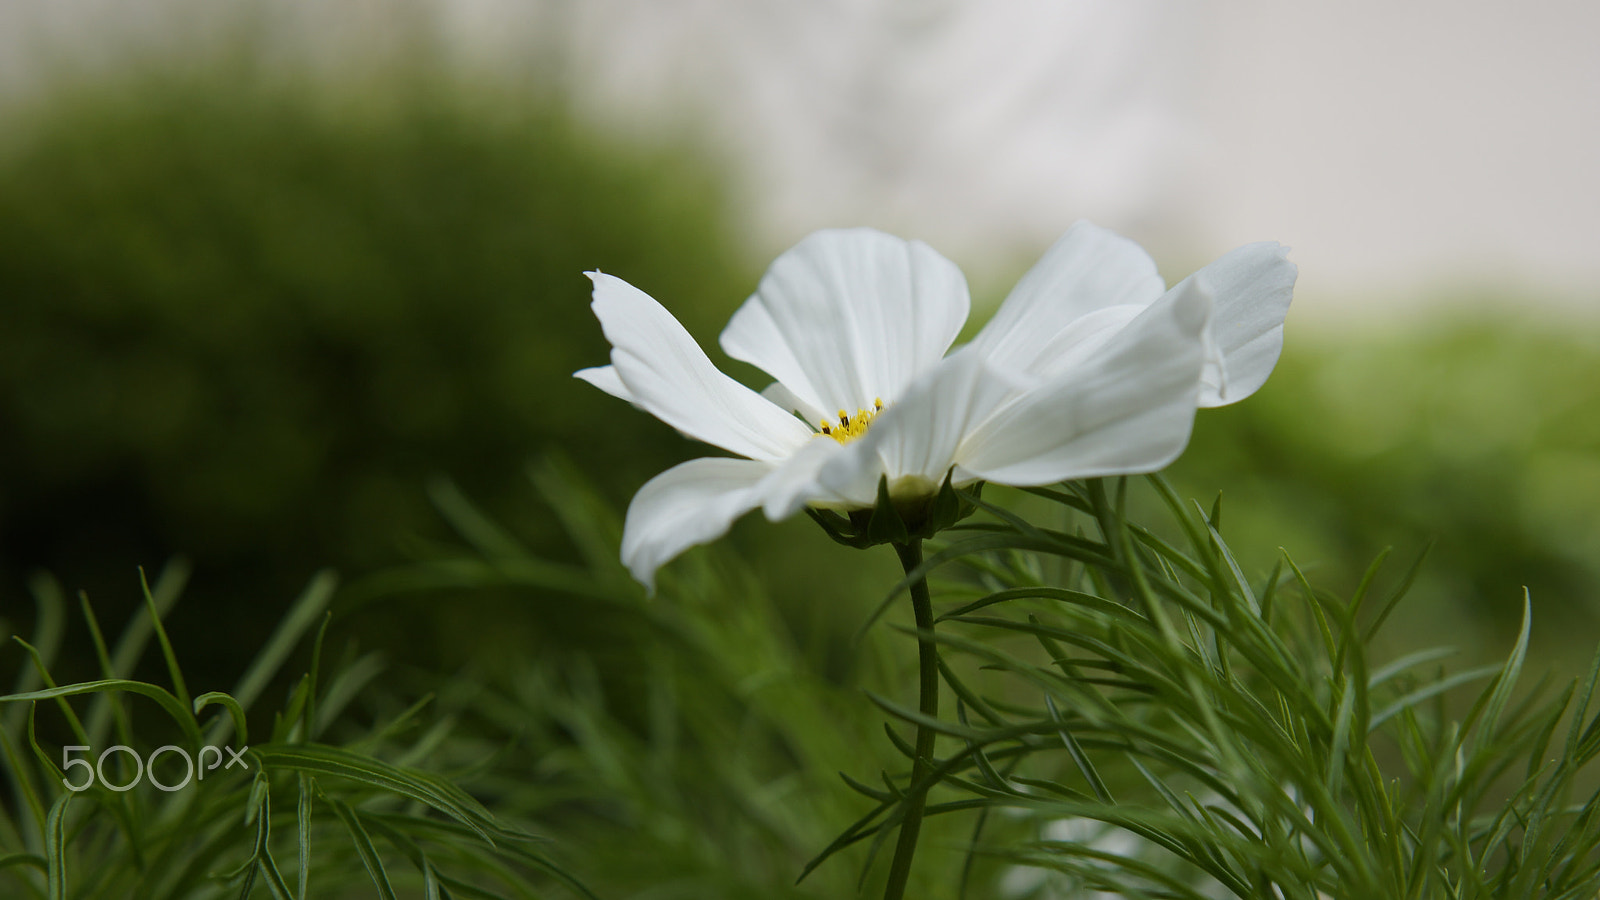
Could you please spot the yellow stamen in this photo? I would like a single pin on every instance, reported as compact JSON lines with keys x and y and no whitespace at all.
{"x":850,"y":426}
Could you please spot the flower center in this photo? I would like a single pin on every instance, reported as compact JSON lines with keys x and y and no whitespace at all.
{"x":849,"y":427}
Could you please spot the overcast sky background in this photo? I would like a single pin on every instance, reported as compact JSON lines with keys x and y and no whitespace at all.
{"x":1410,"y":151}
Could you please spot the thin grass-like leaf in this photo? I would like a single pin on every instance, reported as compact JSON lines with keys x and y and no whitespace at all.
{"x":48,"y":629}
{"x":308,"y":719}
{"x":319,"y":759}
{"x":170,"y":704}
{"x":234,"y":710}
{"x":303,"y":833}
{"x":24,"y":859}
{"x":55,"y":848}
{"x":302,"y":614}
{"x":1079,"y":758}
{"x":107,"y":670}
{"x":21,"y":777}
{"x":1398,"y":594}
{"x":1507,"y":677}
{"x":344,"y":687}
{"x":179,"y":688}
{"x":519,"y":852}
{"x":44,"y":676}
{"x":131,"y":644}
{"x":473,"y":526}
{"x":368,"y":853}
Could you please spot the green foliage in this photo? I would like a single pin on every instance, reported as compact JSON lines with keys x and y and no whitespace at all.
{"x":1169,"y":729}
{"x":682,"y":745}
{"x":81,"y":829}
{"x":1131,"y":714}
{"x":1480,"y":436}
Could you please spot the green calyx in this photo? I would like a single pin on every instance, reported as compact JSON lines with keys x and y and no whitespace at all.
{"x":897,"y":520}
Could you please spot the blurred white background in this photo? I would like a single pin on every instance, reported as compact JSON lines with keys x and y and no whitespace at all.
{"x":1408,"y":151}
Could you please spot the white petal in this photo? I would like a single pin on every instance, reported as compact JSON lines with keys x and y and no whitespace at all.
{"x":914,"y":442}
{"x":1082,"y":338}
{"x":849,"y":316}
{"x":794,"y":484}
{"x":666,"y":373}
{"x":688,"y":504}
{"x":1128,"y":408}
{"x":785,"y":399}
{"x":606,"y":379}
{"x":1088,"y":269}
{"x":1252,"y":286}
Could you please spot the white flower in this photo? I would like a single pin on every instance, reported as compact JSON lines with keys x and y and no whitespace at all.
{"x":1091,"y":367}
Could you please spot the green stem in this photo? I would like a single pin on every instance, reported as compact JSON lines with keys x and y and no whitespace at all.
{"x":928,"y":702}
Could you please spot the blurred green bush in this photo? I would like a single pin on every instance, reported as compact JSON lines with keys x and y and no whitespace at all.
{"x":1479,"y":434}
{"x":247,"y":320}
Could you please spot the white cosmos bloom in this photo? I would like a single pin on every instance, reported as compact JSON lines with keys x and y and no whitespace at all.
{"x":1091,"y":367}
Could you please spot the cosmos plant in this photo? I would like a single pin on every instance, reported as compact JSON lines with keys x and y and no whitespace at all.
{"x":874,"y":425}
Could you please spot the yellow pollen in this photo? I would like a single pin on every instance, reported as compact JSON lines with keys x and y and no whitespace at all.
{"x":850,"y":427}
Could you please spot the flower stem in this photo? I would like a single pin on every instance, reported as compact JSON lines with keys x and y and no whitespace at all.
{"x":910,"y":554}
